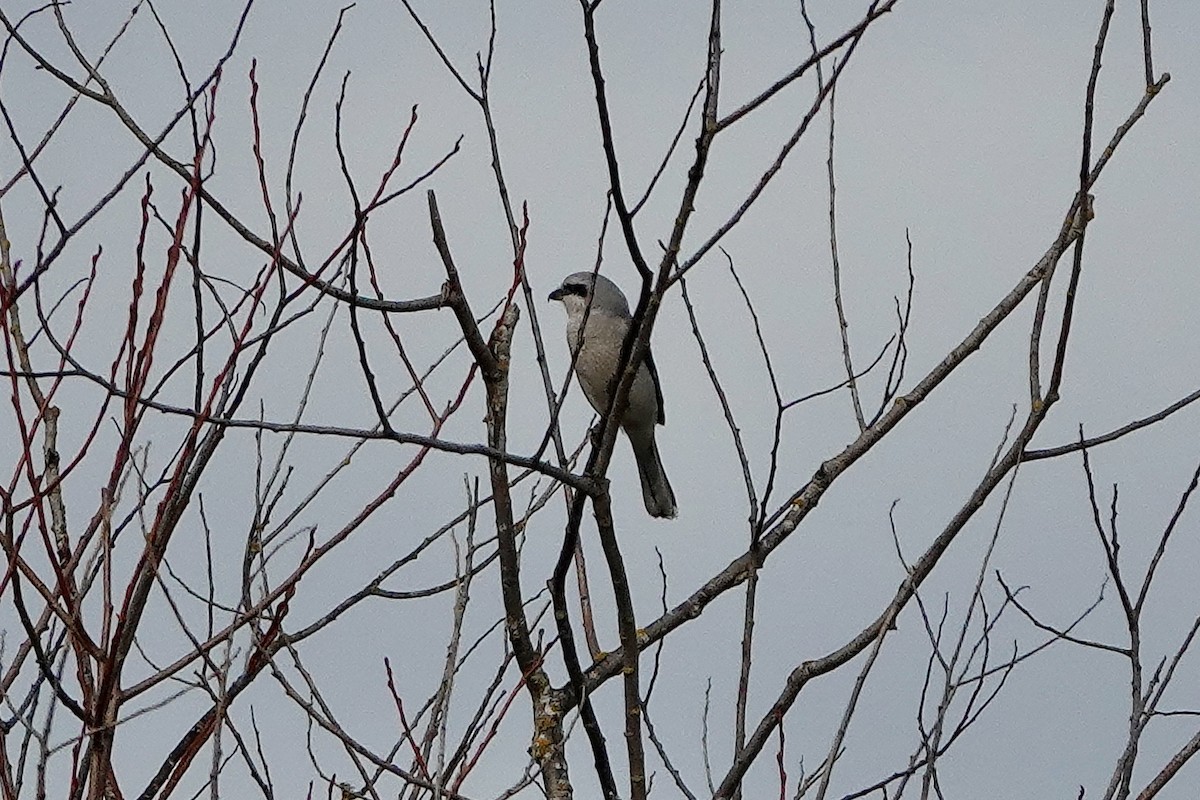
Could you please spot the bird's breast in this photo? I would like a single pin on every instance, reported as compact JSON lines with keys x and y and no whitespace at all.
{"x":598,"y":359}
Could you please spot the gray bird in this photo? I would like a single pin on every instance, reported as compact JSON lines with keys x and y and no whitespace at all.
{"x":607,"y":324}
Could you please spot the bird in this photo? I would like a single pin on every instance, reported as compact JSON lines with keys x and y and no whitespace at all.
{"x":596,"y":364}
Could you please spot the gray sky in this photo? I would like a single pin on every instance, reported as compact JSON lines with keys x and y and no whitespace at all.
{"x":958,"y":122}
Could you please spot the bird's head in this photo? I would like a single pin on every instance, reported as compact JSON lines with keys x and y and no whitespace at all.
{"x":581,"y":289}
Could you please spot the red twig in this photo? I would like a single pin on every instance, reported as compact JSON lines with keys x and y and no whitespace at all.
{"x":408,"y":734}
{"x":491,"y":734}
{"x":782,"y":768}
{"x":258,"y":156}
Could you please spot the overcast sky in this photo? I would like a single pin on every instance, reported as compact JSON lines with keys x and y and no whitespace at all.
{"x":958,"y":122}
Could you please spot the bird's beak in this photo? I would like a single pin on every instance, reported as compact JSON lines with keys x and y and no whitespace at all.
{"x":557,"y":294}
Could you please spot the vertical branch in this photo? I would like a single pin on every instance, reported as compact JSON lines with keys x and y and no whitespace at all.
{"x":634,"y":350}
{"x":743,"y":688}
{"x":197,"y":227}
{"x":482,"y":98}
{"x":895,"y":376}
{"x":492,"y":359}
{"x":843,"y":325}
{"x":708,"y":778}
{"x":1123,"y":772}
{"x":624,"y":217}
{"x":358,"y":232}
{"x":45,"y":490}
{"x":755,"y":519}
{"x":107,"y":699}
{"x":453,"y":295}
{"x":571,"y":550}
{"x":1147,"y":54}
{"x":549,"y":741}
{"x":627,"y":627}
{"x":581,"y":579}
{"x":723,"y":399}
{"x":464,"y":569}
{"x":566,"y":635}
{"x":1082,"y":203}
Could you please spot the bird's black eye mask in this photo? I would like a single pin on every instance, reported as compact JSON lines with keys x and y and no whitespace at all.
{"x":575,"y":288}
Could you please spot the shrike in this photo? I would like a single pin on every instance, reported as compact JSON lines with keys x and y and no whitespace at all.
{"x":599,"y":357}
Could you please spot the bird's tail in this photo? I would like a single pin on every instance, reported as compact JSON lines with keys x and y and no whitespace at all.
{"x":656,"y":489}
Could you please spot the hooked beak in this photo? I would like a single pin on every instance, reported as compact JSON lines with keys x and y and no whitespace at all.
{"x":557,"y":294}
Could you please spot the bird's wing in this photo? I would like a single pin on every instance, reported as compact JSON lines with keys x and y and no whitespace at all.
{"x":662,"y":412}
